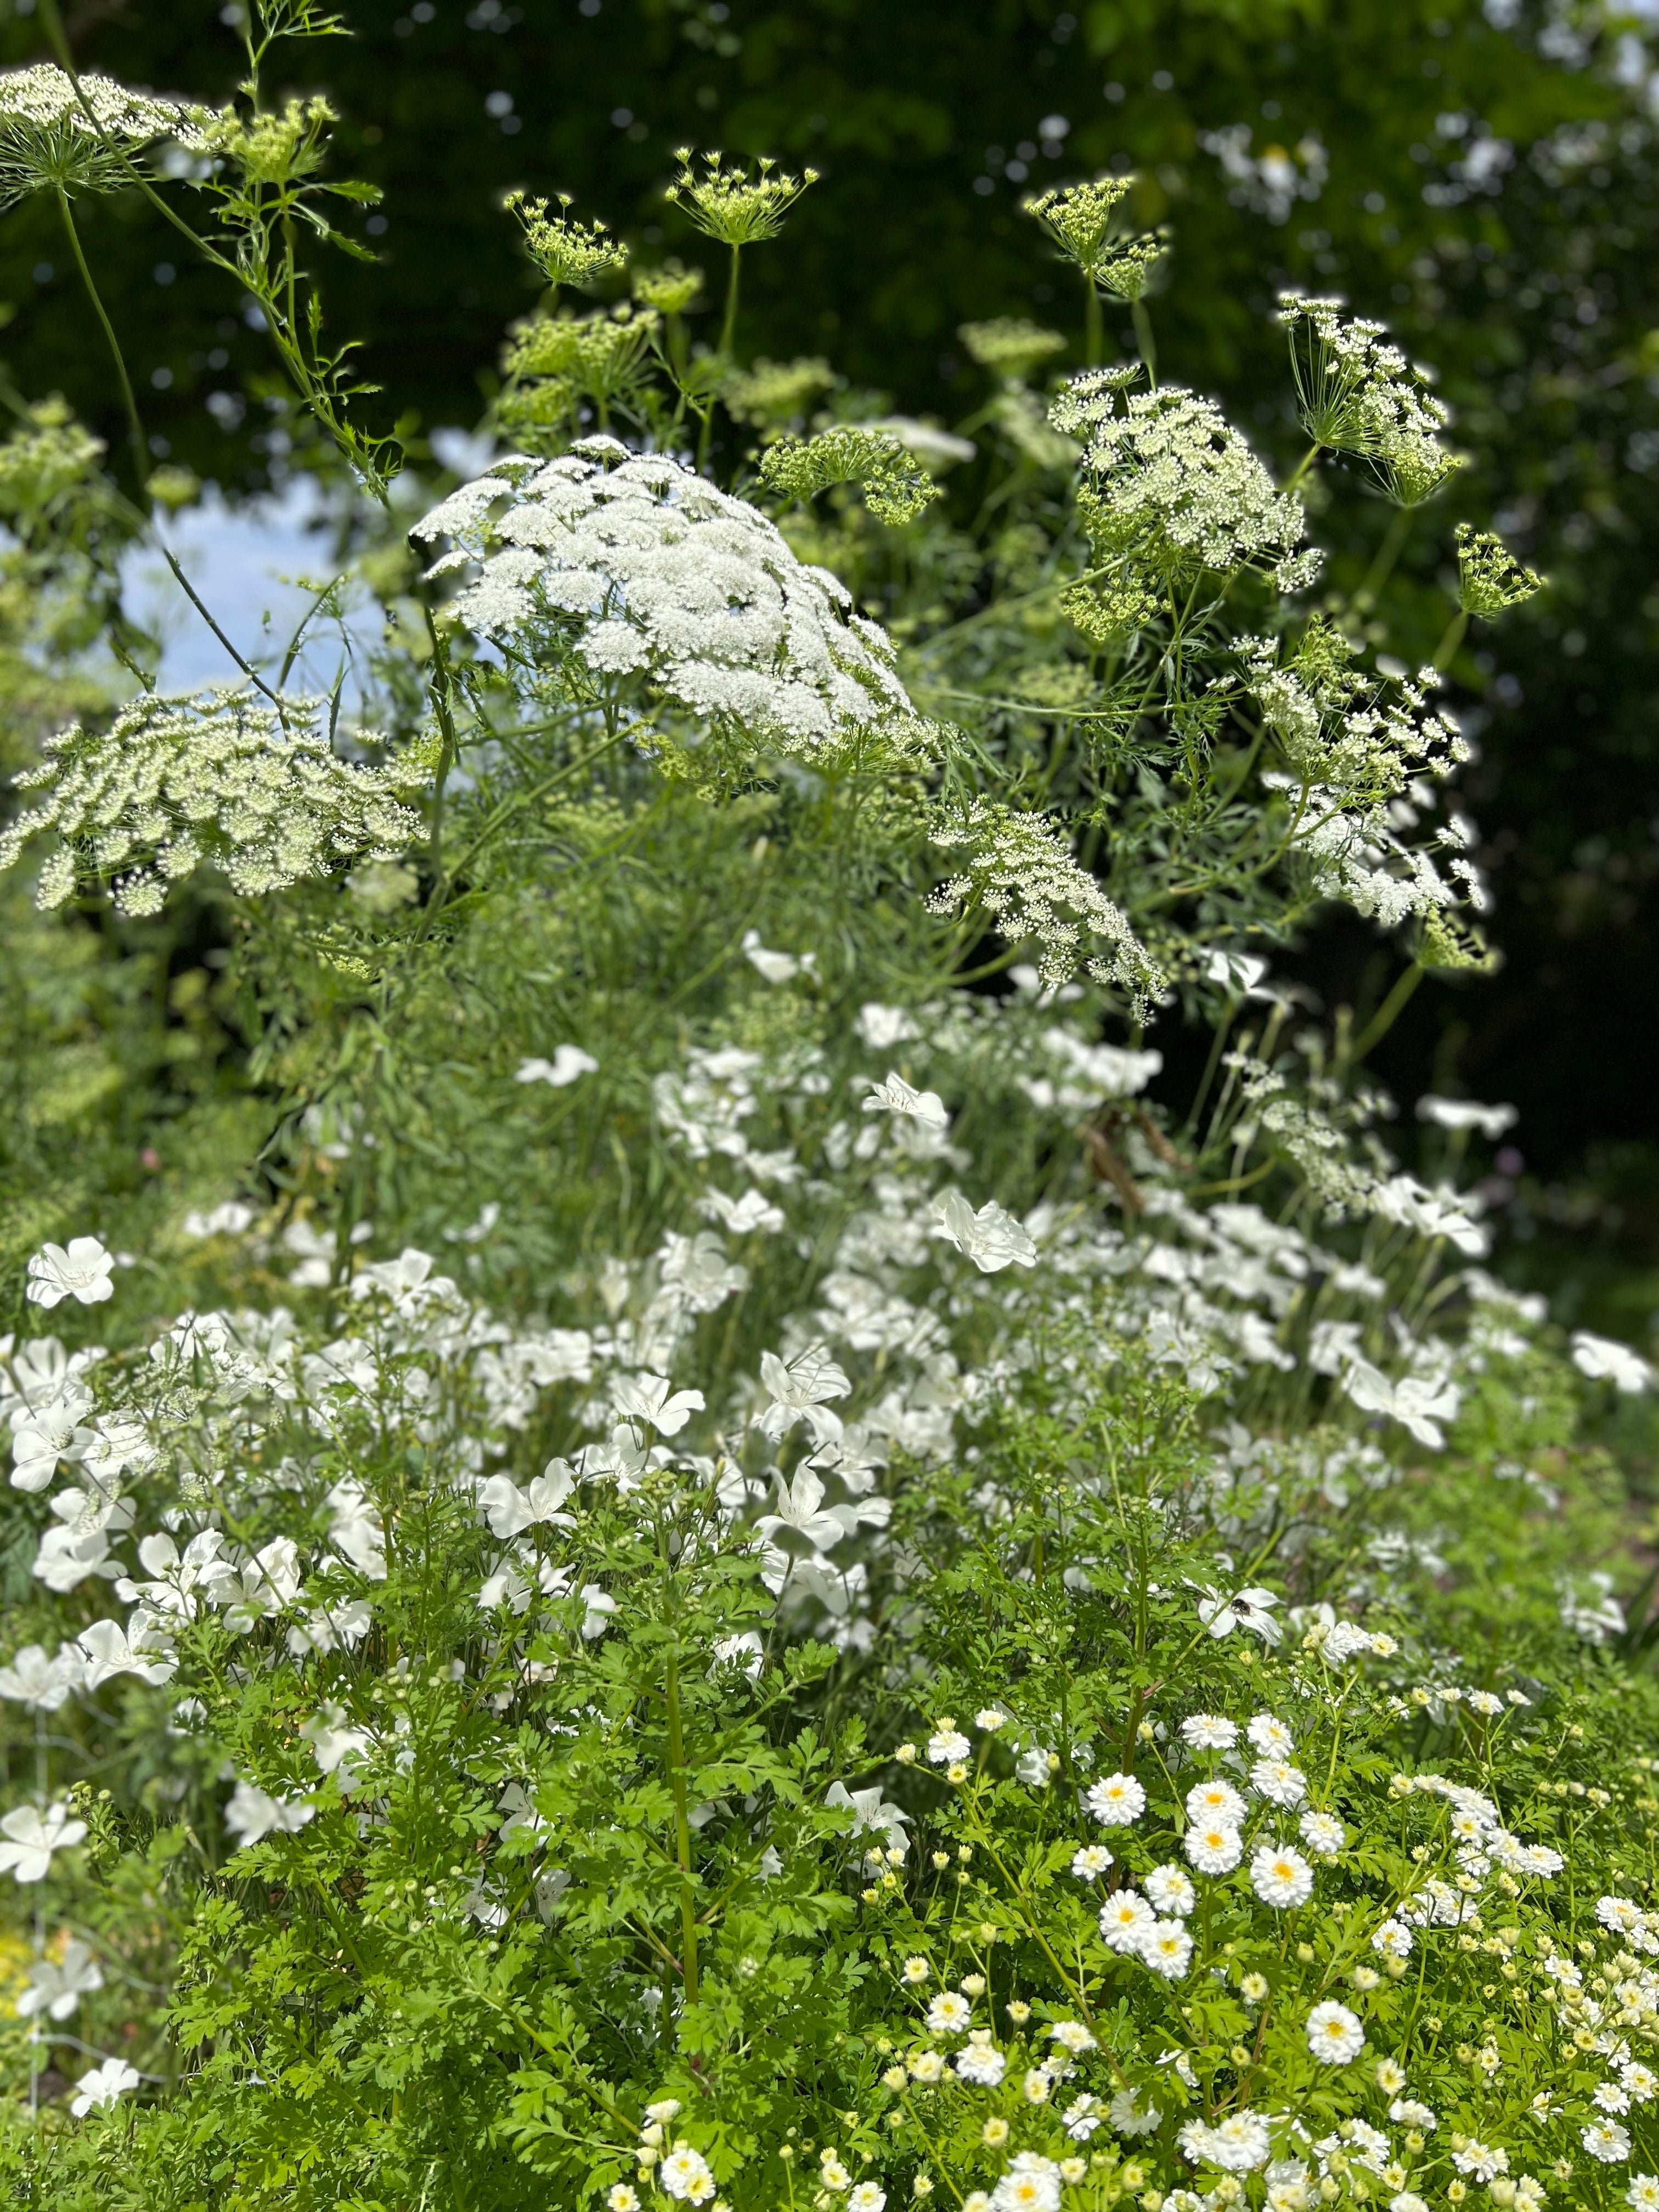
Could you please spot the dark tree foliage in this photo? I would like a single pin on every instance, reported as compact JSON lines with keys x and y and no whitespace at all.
{"x":1482,"y":179}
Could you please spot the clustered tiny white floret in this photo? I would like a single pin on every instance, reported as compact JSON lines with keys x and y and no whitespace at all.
{"x":174,"y":783}
{"x":51,"y":134}
{"x":642,"y":568}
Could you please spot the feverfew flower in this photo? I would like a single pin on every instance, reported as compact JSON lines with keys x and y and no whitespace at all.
{"x":1607,"y":2142}
{"x":1166,"y":1947}
{"x":1334,"y":2034}
{"x":947,"y":1747}
{"x":1393,"y":1940}
{"x":685,"y":2174}
{"x":1279,"y":1782}
{"x":1123,"y":1917}
{"x":1281,"y":1877}
{"x":949,"y":2013}
{"x":1092,"y":1861}
{"x":1481,"y":2161}
{"x":1270,"y":1736}
{"x":81,"y":1271}
{"x":981,"y":2064}
{"x":1204,"y":1732}
{"x":1129,"y":2117}
{"x":1322,"y":1834}
{"x":1171,"y":1891}
{"x":1238,"y":2144}
{"x":1116,"y":1801}
{"x":1213,"y":1846}
{"x":1215,"y":1801}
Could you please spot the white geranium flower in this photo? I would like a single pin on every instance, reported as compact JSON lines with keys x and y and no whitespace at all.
{"x":647,"y":1399}
{"x":253,"y":1813}
{"x":58,"y":1986}
{"x":1606,"y":1360}
{"x":1419,"y":1407}
{"x":40,"y":1683}
{"x":108,"y":1650}
{"x":568,"y":1064}
{"x":1250,"y":1609}
{"x":32,"y":1837}
{"x":81,"y":1271}
{"x":100,"y":2086}
{"x":1461,"y":1113}
{"x":991,"y":1238}
{"x":872,"y":1814}
{"x":800,"y":1392}
{"x":774,"y":966}
{"x":510,"y":1510}
{"x":895,"y":1096}
{"x":743,"y":1216}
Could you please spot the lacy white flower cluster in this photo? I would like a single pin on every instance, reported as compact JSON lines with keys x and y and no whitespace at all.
{"x":1362,"y":737}
{"x":1360,"y":395}
{"x":51,"y":134}
{"x":1027,"y":882}
{"x":174,"y":783}
{"x":1169,"y":479}
{"x":649,"y":570}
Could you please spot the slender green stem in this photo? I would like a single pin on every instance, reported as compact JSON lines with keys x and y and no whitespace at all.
{"x":1094,"y":330}
{"x":135,"y":436}
{"x":1387,"y":1013}
{"x":140,"y":444}
{"x":1446,"y":652}
{"x":1143,"y":323}
{"x":1387,"y":552}
{"x":682,"y":1827}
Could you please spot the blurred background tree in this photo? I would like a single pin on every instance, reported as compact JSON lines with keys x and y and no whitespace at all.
{"x":1481,"y":177}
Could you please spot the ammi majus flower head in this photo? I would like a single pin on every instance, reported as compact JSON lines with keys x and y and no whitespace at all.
{"x":1169,"y":482}
{"x":1359,"y":394}
{"x":565,"y":249}
{"x":218,"y":777}
{"x":642,"y":570}
{"x":735,"y":203}
{"x":55,"y":135}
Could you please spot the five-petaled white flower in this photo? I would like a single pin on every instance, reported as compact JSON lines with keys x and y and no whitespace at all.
{"x":651,"y":1401}
{"x":32,"y":1837}
{"x":895,"y":1096}
{"x":991,"y":1238}
{"x":1248,"y":1609}
{"x":568,"y":1065}
{"x":58,"y":1986}
{"x":81,"y":1272}
{"x":102,"y":2085}
{"x":253,"y":1813}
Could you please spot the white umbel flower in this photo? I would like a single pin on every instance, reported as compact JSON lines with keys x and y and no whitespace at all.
{"x":215,"y":777}
{"x":48,"y":138}
{"x":644,"y":569}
